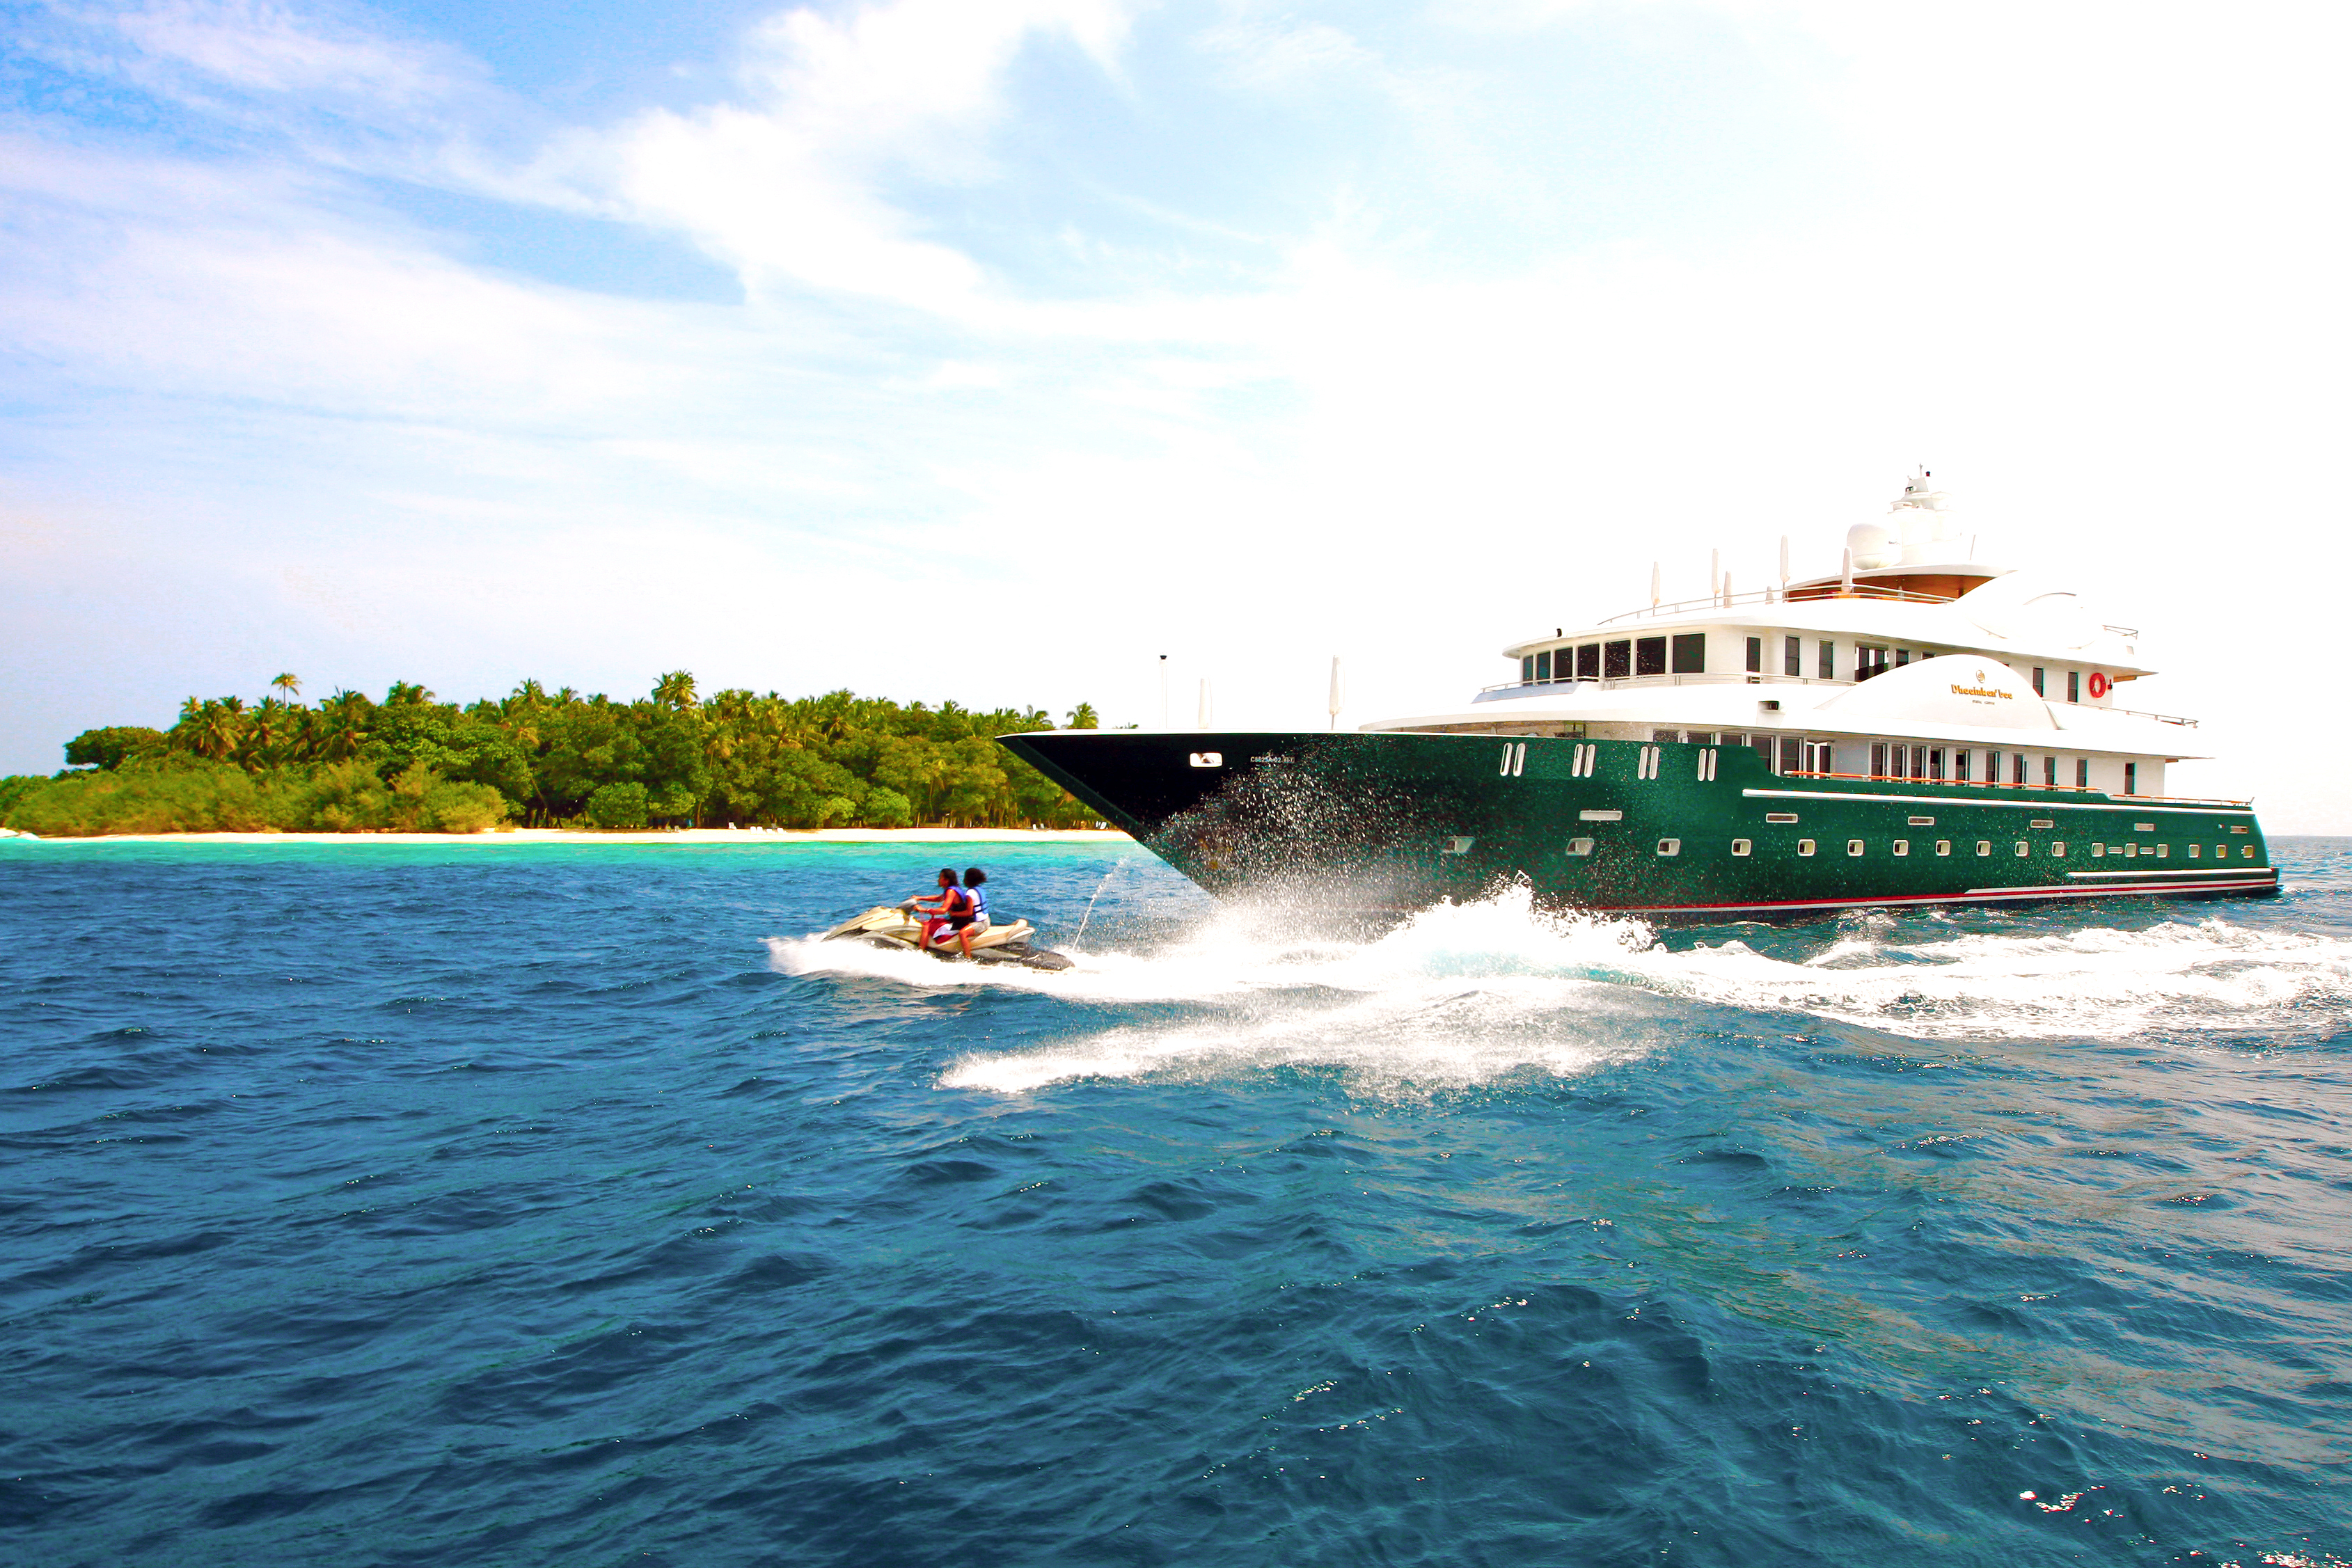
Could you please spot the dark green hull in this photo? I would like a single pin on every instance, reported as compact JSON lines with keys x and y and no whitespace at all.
{"x":1400,"y":822}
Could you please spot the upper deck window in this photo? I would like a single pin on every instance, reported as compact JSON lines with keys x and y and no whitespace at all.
{"x":1868,"y":661}
{"x":1902,"y":655}
{"x":2037,"y":683}
{"x":1587,"y":661}
{"x":2131,"y":777}
{"x":1755,"y":655}
{"x":2019,"y":772}
{"x":1617,"y":660}
{"x":1527,"y":669}
{"x":1543,"y":665}
{"x":2050,"y":773}
{"x":2074,"y":686}
{"x":1690,"y":653}
{"x":1650,"y":656}
{"x":1793,"y":656}
{"x":2081,"y":773}
{"x":1828,"y":661}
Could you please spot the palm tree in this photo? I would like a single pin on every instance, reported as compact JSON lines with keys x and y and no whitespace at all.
{"x":289,"y":683}
{"x":674,"y":690}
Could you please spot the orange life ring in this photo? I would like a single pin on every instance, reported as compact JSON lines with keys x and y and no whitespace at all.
{"x":2098,"y":683}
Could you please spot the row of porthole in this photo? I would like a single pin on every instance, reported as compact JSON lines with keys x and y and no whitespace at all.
{"x":1670,"y":848}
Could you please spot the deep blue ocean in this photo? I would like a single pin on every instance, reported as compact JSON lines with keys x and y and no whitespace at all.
{"x":564,"y":1204}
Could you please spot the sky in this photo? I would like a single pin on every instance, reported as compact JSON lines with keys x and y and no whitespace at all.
{"x":989,"y":349}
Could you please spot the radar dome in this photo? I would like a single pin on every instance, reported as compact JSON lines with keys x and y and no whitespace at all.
{"x":1872,"y":545}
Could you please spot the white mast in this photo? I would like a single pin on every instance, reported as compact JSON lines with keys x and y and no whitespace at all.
{"x":1337,"y":692}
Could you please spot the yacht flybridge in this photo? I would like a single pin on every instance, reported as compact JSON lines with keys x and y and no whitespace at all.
{"x":1915,"y":729}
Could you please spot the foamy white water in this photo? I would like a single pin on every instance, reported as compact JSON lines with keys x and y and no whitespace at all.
{"x":1467,"y":992}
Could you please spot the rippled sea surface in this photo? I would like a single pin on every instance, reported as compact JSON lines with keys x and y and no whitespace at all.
{"x":523,"y":1204}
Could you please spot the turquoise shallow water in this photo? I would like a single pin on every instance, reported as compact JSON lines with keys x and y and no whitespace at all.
{"x":501,"y":1204}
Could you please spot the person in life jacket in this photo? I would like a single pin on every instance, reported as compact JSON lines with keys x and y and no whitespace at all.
{"x":966,"y":930}
{"x":950,"y":906}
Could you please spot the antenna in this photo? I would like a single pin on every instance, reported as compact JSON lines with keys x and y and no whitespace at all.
{"x":1784,"y":560}
{"x":1727,"y":591}
{"x":1654,"y":585}
{"x":1846,"y":584}
{"x":1714,"y":571}
{"x":1337,"y":692}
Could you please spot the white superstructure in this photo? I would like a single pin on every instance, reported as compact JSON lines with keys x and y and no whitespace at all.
{"x":1914,"y":660}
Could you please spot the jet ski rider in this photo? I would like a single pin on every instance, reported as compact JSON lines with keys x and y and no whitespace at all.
{"x":966,"y":930}
{"x":951,"y":908}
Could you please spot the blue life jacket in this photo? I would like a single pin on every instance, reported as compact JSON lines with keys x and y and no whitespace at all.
{"x":978,"y":898}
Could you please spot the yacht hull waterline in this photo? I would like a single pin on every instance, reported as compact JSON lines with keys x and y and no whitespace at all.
{"x":1391,"y":820}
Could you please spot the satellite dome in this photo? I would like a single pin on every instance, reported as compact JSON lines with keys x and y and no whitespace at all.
{"x":1871,"y":546}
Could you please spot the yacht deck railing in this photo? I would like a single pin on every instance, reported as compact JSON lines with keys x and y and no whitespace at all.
{"x":2045,"y":788}
{"x":1782,"y":596}
{"x":1619,"y":682}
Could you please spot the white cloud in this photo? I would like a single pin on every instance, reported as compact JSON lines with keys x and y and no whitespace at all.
{"x":787,"y":187}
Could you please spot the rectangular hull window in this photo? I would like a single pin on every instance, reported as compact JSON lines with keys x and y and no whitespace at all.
{"x":1670,"y":847}
{"x":1804,"y":846}
{"x":1650,"y":656}
{"x":1984,"y":846}
{"x":1616,"y":660}
{"x":1943,"y":846}
{"x":1903,"y":846}
{"x":1741,"y":846}
{"x":1690,"y":653}
{"x":1580,"y":846}
{"x":1853,"y":846}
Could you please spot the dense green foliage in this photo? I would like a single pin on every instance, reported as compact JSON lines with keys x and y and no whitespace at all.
{"x":351,"y":764}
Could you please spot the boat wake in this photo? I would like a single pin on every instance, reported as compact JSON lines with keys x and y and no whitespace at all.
{"x":1465,"y":993}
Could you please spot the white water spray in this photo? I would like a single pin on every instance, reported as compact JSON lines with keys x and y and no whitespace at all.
{"x":1466,"y":993}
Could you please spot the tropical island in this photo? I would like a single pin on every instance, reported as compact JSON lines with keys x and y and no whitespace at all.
{"x":534,"y":757}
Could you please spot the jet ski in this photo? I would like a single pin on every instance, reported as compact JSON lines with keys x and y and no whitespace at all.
{"x":900,"y":927}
